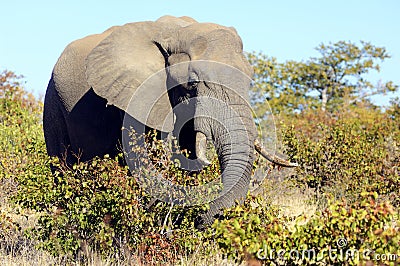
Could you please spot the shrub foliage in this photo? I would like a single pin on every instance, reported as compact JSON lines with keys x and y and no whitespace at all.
{"x":351,"y":160}
{"x":341,"y":233}
{"x":347,"y":154}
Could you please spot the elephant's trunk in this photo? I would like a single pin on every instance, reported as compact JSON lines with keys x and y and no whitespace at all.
{"x":236,"y":158}
{"x":233,"y":133}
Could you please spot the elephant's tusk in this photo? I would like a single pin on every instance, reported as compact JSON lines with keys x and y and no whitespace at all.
{"x":201,"y":147}
{"x":271,"y":157}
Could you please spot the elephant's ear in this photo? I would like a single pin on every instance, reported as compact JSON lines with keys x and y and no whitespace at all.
{"x":127,"y":69}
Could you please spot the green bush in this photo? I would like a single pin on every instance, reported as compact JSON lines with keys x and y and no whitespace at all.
{"x":92,"y":206}
{"x":21,"y":137}
{"x":346,"y":155}
{"x":99,"y":206}
{"x":341,"y":234}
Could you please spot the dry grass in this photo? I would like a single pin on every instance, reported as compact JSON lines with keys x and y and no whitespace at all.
{"x":24,"y":253}
{"x":293,"y":201}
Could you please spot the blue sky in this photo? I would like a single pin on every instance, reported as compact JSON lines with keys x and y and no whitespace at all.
{"x":34,"y":33}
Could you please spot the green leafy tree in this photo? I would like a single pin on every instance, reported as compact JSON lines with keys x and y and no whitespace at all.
{"x":278,"y":86}
{"x":335,"y":79}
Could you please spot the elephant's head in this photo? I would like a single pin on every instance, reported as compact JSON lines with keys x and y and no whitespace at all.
{"x":202,"y":78}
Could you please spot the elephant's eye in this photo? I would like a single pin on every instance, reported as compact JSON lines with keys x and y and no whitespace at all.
{"x":193,"y":81}
{"x":192,"y":84}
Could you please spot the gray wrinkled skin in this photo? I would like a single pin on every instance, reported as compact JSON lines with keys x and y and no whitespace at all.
{"x":94,"y":78}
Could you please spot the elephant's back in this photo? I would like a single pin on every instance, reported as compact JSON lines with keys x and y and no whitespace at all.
{"x":69,"y":71}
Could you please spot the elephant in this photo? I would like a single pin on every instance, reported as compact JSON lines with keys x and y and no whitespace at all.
{"x":95,"y":78}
